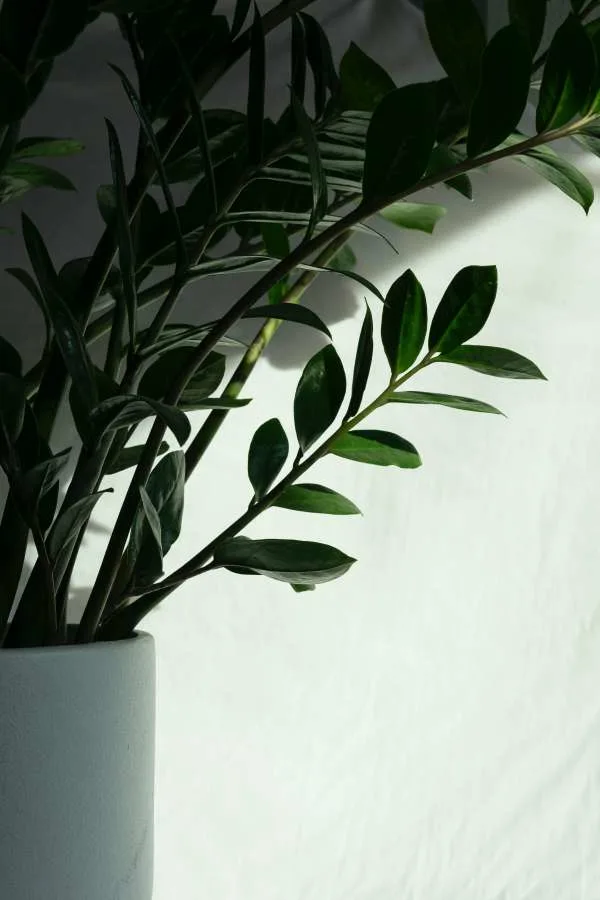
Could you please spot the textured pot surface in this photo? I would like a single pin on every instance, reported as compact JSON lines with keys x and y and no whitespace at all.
{"x":77,"y":771}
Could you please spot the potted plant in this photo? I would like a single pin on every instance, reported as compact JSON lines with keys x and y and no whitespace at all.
{"x":277,"y":199}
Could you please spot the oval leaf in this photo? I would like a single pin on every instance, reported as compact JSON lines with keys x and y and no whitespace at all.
{"x":502,"y":95}
{"x":319,"y":396}
{"x":425,"y":397}
{"x":458,"y":39}
{"x":404,"y":322}
{"x":289,"y":312}
{"x":493,"y":361}
{"x":316,"y":499}
{"x":130,"y":457}
{"x":13,"y":96}
{"x":363,"y":81}
{"x":561,"y":173}
{"x":399,"y":142}
{"x":567,"y":78}
{"x":378,"y":448}
{"x":267,"y":454}
{"x":362,"y":364}
{"x":297,"y":562}
{"x":126,"y":411}
{"x":12,"y":409}
{"x":529,"y":16}
{"x":464,"y":308}
{"x":417,"y":216}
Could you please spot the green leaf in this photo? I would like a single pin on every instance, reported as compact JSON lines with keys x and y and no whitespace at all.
{"x":63,"y":22}
{"x":344,"y":260}
{"x":256,"y":89}
{"x":529,"y":16}
{"x":46,"y":146}
{"x":107,"y":203}
{"x":320,"y":59}
{"x":65,"y":531}
{"x":301,"y":588}
{"x":288,"y":312}
{"x":130,"y":456}
{"x":418,"y":216}
{"x":156,"y":380}
{"x":10,"y":360}
{"x":559,"y":172}
{"x":568,"y":74}
{"x":378,"y":448}
{"x":127,"y":262}
{"x":464,"y":308}
{"x":444,"y":159}
{"x":317,"y":174}
{"x":269,"y":449}
{"x":298,"y":58}
{"x":126,"y":411}
{"x":427,"y":398}
{"x":319,"y":396}
{"x":297,"y":562}
{"x":36,"y":175}
{"x":458,"y":39}
{"x":362,"y":364}
{"x":144,"y":556}
{"x":38,"y":480}
{"x":190,"y":401}
{"x":493,"y":361}
{"x":68,"y":334}
{"x":364,"y":83}
{"x":502,"y":95}
{"x":316,"y":499}
{"x":277,"y":245}
{"x":398,"y":155}
{"x":13,"y":96}
{"x":12,"y":411}
{"x":165,"y":489}
{"x":242,"y":8}
{"x":404,"y":322}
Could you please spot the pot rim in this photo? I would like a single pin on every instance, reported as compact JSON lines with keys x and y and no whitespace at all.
{"x":113,"y":646}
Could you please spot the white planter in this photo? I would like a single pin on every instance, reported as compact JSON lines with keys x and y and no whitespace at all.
{"x":77,"y":771}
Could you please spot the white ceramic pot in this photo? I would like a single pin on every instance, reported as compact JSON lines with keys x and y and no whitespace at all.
{"x":77,"y":771}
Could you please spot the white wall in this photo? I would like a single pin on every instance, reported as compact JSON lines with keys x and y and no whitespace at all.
{"x":427,"y":727}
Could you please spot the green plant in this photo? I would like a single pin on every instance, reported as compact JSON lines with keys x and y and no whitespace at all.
{"x":290,"y":194}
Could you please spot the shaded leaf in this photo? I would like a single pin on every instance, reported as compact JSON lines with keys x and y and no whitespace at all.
{"x":378,"y":448}
{"x":157,"y":378}
{"x":130,"y":456}
{"x":316,"y":499}
{"x":464,"y":308}
{"x":418,"y":216}
{"x":165,"y":489}
{"x":363,"y":81}
{"x":65,"y":531}
{"x":458,"y":38}
{"x":288,"y":312}
{"x":10,"y":360}
{"x":320,"y":59}
{"x":127,"y":263}
{"x":144,"y":554}
{"x":46,"y":146}
{"x":404,"y":322}
{"x":362,"y":364}
{"x":269,"y":449}
{"x":502,"y":95}
{"x":297,"y":562}
{"x":317,"y":174}
{"x":559,"y":172}
{"x":319,"y":396}
{"x":13,"y":97}
{"x":443,"y":159}
{"x":242,"y":8}
{"x":568,"y":73}
{"x":427,"y":398}
{"x":129,"y":410}
{"x":344,"y":260}
{"x":301,"y":588}
{"x":36,"y":175}
{"x":529,"y":16}
{"x":298,"y":58}
{"x":397,"y":155}
{"x":493,"y":361}
{"x":12,"y":411}
{"x":40,"y":478}
{"x":256,"y":89}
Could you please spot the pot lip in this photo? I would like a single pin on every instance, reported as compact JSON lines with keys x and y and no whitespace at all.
{"x":138,"y":638}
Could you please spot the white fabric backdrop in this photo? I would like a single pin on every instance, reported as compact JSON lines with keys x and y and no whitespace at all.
{"x":426,"y":728}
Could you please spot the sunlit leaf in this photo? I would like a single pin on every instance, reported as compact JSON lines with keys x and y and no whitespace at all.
{"x":316,"y":499}
{"x":297,"y":562}
{"x":377,"y":448}
{"x":427,"y":398}
{"x":464,"y":308}
{"x":417,"y":216}
{"x":493,"y":361}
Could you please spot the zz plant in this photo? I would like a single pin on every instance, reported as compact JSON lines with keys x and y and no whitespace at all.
{"x":281,"y":199}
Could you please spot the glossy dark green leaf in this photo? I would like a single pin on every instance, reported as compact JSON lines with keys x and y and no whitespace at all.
{"x":316,"y":499}
{"x":144,"y":554}
{"x":277,"y":245}
{"x":404,"y":322}
{"x":36,"y":175}
{"x":362,"y":364}
{"x":493,"y":361}
{"x":127,"y":263}
{"x":297,"y":562}
{"x":62,"y":23}
{"x":156,"y":380}
{"x":344,"y":260}
{"x":190,"y":401}
{"x":13,"y":96}
{"x":269,"y":449}
{"x":67,"y":331}
{"x":130,"y":456}
{"x":319,"y":396}
{"x":449,"y":400}
{"x":320,"y":59}
{"x":378,"y":448}
{"x":464,"y":308}
{"x":240,"y":14}
{"x":289,"y":312}
{"x":46,"y":146}
{"x":529,"y":16}
{"x":568,"y":74}
{"x":416,"y":216}
{"x":10,"y":359}
{"x":298,"y":58}
{"x":363,"y":81}
{"x":561,"y":173}
{"x":126,"y":411}
{"x":65,"y":532}
{"x":399,"y":142}
{"x":445,"y":159}
{"x":458,"y":38}
{"x":257,"y":75}
{"x":165,"y":488}
{"x":302,"y":588}
{"x":12,"y":411}
{"x":502,"y":95}
{"x":38,"y":480}
{"x":317,"y":174}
